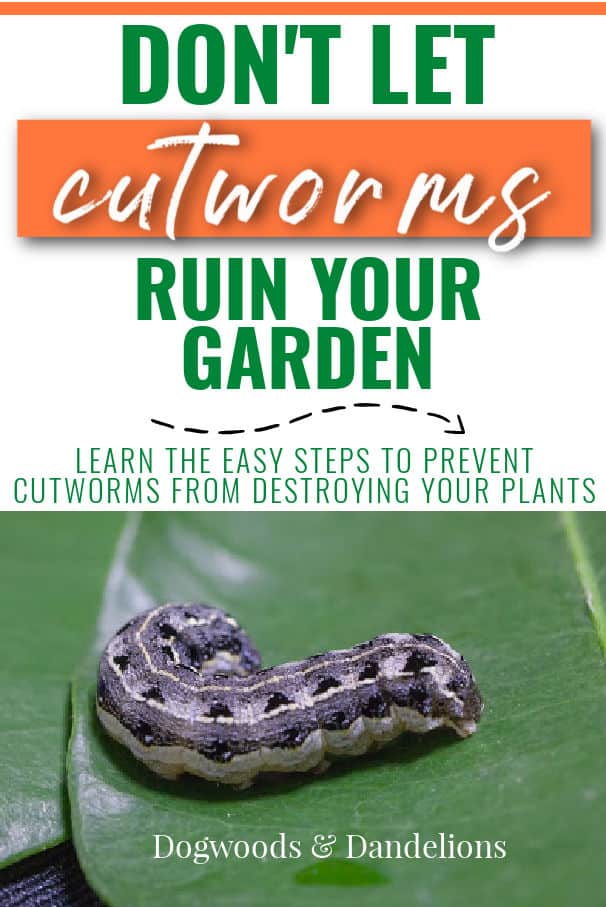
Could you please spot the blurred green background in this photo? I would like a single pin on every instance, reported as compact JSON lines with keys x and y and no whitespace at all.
{"x":52,"y":572}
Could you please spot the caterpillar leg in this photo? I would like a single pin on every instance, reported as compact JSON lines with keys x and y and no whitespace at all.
{"x":243,"y":785}
{"x":321,"y":767}
{"x":168,"y":772}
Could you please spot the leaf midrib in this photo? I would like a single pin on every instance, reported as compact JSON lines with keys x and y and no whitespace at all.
{"x":581,"y":560}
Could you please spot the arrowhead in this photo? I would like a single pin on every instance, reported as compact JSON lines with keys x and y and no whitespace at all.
{"x":457,"y":431}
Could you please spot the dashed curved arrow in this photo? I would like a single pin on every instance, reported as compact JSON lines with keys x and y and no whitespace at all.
{"x":459,"y":430}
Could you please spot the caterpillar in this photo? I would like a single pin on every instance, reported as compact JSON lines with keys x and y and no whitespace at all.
{"x":182,"y":687}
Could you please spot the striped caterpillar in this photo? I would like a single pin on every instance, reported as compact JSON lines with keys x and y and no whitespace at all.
{"x":182,"y":687}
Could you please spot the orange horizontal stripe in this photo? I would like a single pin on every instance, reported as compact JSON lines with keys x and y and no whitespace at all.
{"x":392,"y":151}
{"x":303,"y":9}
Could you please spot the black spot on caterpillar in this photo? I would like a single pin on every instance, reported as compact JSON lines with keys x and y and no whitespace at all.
{"x":327,"y":683}
{"x":219,"y":710}
{"x":275,"y":701}
{"x":182,"y":687}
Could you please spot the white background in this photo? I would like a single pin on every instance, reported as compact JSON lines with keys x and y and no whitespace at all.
{"x":78,"y":369}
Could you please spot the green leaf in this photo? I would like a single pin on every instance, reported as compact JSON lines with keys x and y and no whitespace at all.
{"x":52,"y":568}
{"x":505,"y":589}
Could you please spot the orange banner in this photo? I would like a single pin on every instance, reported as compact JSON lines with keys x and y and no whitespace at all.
{"x":304,"y":8}
{"x":296,"y":178}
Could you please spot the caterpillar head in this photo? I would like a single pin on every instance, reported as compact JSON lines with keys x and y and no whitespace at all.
{"x":435,"y":681}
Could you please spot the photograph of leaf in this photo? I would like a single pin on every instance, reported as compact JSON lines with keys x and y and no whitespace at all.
{"x":520,"y":594}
